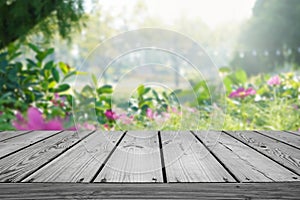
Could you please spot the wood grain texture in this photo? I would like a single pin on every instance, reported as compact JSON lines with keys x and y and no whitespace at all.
{"x":206,"y":191}
{"x":290,"y":139}
{"x":81,"y":163}
{"x":4,"y":135}
{"x":17,"y":166}
{"x":297,"y":133}
{"x":22,"y":141}
{"x":245,"y":163}
{"x":187,"y":160}
{"x":282,"y":153}
{"x":136,"y":159}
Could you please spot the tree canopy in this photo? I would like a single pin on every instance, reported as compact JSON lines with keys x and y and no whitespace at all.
{"x":20,"y":18}
{"x":273,"y":32}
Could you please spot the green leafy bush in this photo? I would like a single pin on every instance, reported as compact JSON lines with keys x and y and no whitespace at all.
{"x":36,"y":90}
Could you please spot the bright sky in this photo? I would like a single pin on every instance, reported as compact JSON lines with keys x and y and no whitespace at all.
{"x":212,"y":12}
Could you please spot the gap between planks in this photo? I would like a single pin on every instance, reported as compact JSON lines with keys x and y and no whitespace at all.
{"x":23,"y":163}
{"x":247,"y":164}
{"x":281,"y":153}
{"x":137,"y":159}
{"x":162,"y":155}
{"x":297,"y":133}
{"x":283,"y":137}
{"x":82,"y":162}
{"x":21,"y":142}
{"x":6,"y":135}
{"x":188,"y":160}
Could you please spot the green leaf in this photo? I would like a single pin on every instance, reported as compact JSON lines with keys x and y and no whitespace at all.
{"x":94,"y":78}
{"x":198,"y":85}
{"x":55,"y":74}
{"x":224,"y":70}
{"x":63,"y":67}
{"x":34,"y":48}
{"x":69,"y":75}
{"x":81,"y":73}
{"x":228,"y":84}
{"x":49,"y":51}
{"x":156,"y":95}
{"x":165,"y":96}
{"x":49,"y":65}
{"x":106,"y":89}
{"x":87,"y":89}
{"x":61,"y":88}
{"x":30,"y":63}
{"x":140,"y":90}
{"x":43,"y":54}
{"x":146,"y":90}
{"x":241,"y":76}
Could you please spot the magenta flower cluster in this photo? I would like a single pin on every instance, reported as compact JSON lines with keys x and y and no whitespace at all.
{"x":35,"y":121}
{"x":110,"y":115}
{"x":242,"y":93}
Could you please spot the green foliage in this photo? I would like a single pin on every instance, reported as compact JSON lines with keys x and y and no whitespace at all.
{"x":35,"y":82}
{"x":90,"y":104}
{"x":149,"y":102}
{"x":40,"y":82}
{"x":274,"y":107}
{"x":18,"y":19}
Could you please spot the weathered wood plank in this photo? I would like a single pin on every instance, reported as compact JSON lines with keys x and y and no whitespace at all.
{"x":136,"y":159}
{"x":245,"y":163}
{"x":294,"y":132}
{"x":282,"y":153}
{"x":12,"y":145}
{"x":207,"y":191}
{"x":4,"y":135}
{"x":290,"y":139}
{"x":187,"y":160}
{"x":81,"y":163}
{"x":21,"y":164}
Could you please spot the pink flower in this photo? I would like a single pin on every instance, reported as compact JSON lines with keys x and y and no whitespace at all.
{"x":125,"y":119}
{"x":19,"y":117}
{"x":72,"y":128}
{"x":88,"y":126}
{"x":110,"y":115}
{"x":275,"y":80}
{"x":242,"y":92}
{"x":36,"y":121}
{"x":192,"y":110}
{"x":174,"y":110}
{"x":166,"y":115}
{"x":149,"y":113}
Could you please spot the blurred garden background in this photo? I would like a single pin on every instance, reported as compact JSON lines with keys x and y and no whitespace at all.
{"x":46,"y":45}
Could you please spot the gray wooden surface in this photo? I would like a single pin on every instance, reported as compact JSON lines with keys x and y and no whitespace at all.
{"x":14,"y":144}
{"x":280,"y":152}
{"x":205,"y":191}
{"x":4,"y":135}
{"x":81,"y":163}
{"x":149,"y":156}
{"x":187,"y":160}
{"x":280,"y":136}
{"x":245,"y":163}
{"x":137,"y":159}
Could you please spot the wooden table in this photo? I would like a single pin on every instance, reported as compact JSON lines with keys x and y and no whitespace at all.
{"x":169,"y":164}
